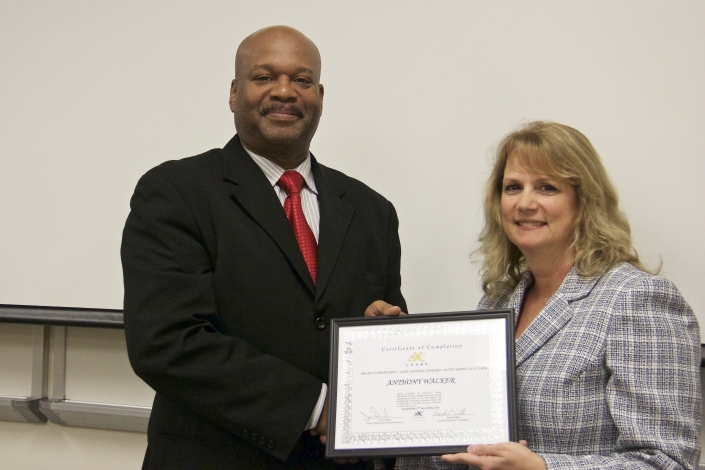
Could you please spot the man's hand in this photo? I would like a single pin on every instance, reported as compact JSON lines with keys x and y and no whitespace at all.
{"x":380,"y":308}
{"x":321,"y":427}
{"x":320,"y":431}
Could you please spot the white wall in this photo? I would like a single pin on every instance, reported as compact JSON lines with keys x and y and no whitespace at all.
{"x":418,"y":93}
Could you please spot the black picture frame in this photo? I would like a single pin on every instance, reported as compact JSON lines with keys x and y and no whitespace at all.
{"x":338,"y":325}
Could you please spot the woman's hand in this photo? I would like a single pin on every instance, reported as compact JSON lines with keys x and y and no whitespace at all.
{"x":504,"y":456}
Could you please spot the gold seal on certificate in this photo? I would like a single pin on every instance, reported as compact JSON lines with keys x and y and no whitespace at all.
{"x":421,"y":384}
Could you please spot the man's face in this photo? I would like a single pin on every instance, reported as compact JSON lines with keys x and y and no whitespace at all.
{"x":276,"y":95}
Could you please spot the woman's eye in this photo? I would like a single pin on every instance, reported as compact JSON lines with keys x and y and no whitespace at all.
{"x":549,"y":188}
{"x":511,"y":187}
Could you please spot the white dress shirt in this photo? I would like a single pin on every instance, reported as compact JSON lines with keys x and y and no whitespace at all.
{"x":309,"y":204}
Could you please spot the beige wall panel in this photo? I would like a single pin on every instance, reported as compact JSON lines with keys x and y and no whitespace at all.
{"x":16,"y":342}
{"x":50,"y":446}
{"x":97,"y":369}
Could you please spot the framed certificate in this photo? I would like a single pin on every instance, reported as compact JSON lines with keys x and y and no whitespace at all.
{"x":424,"y":384}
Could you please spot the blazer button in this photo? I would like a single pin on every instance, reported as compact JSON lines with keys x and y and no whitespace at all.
{"x":253,"y":437}
{"x":262,"y":441}
{"x":245,"y":433}
{"x":320,"y":323}
{"x":270,"y":444}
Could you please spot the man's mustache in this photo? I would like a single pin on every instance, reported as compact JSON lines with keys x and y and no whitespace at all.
{"x":285,"y":108}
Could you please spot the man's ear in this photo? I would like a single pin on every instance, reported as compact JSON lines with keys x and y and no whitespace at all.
{"x":320,"y":92}
{"x":233,"y":91}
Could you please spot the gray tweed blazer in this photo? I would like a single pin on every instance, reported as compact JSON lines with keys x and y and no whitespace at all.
{"x":607,"y":375}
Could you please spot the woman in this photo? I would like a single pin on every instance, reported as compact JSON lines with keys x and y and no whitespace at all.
{"x":607,"y":355}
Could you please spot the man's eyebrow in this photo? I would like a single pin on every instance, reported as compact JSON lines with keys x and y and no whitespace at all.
{"x":270,"y":67}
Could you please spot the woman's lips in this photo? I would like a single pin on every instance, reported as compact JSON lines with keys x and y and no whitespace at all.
{"x":523,"y":223}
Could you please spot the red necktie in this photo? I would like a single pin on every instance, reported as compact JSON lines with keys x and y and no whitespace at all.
{"x":291,"y":182}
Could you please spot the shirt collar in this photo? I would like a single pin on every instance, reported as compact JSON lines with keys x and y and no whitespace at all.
{"x":273,"y":171}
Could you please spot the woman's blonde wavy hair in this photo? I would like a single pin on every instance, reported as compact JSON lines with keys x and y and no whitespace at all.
{"x":601,"y":233}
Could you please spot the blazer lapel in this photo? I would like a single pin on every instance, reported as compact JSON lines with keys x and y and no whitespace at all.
{"x":336,"y":215}
{"x":555,"y":314}
{"x":255,"y":195}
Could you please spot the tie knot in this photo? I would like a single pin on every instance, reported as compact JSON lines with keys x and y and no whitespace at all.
{"x":291,"y":182}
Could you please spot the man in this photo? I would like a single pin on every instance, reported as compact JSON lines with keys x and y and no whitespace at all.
{"x":233,"y":268}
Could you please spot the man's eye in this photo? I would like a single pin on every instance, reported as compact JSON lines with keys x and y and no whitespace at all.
{"x":263,"y":78}
{"x":303,"y":81}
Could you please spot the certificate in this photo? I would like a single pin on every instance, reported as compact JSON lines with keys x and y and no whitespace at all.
{"x":424,"y":384}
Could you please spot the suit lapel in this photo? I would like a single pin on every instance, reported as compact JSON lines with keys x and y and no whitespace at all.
{"x":553,"y":317}
{"x":335,"y":220}
{"x":255,"y":195}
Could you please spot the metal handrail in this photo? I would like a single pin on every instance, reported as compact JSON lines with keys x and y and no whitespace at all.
{"x":62,"y":316}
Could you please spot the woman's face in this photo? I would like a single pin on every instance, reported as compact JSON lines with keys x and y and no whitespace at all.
{"x":538,"y":212}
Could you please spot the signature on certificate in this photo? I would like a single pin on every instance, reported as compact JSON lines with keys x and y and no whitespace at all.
{"x":373,"y":416}
{"x":452,"y":412}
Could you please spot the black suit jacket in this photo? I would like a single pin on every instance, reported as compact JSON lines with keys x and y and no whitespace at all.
{"x":221,"y":312}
